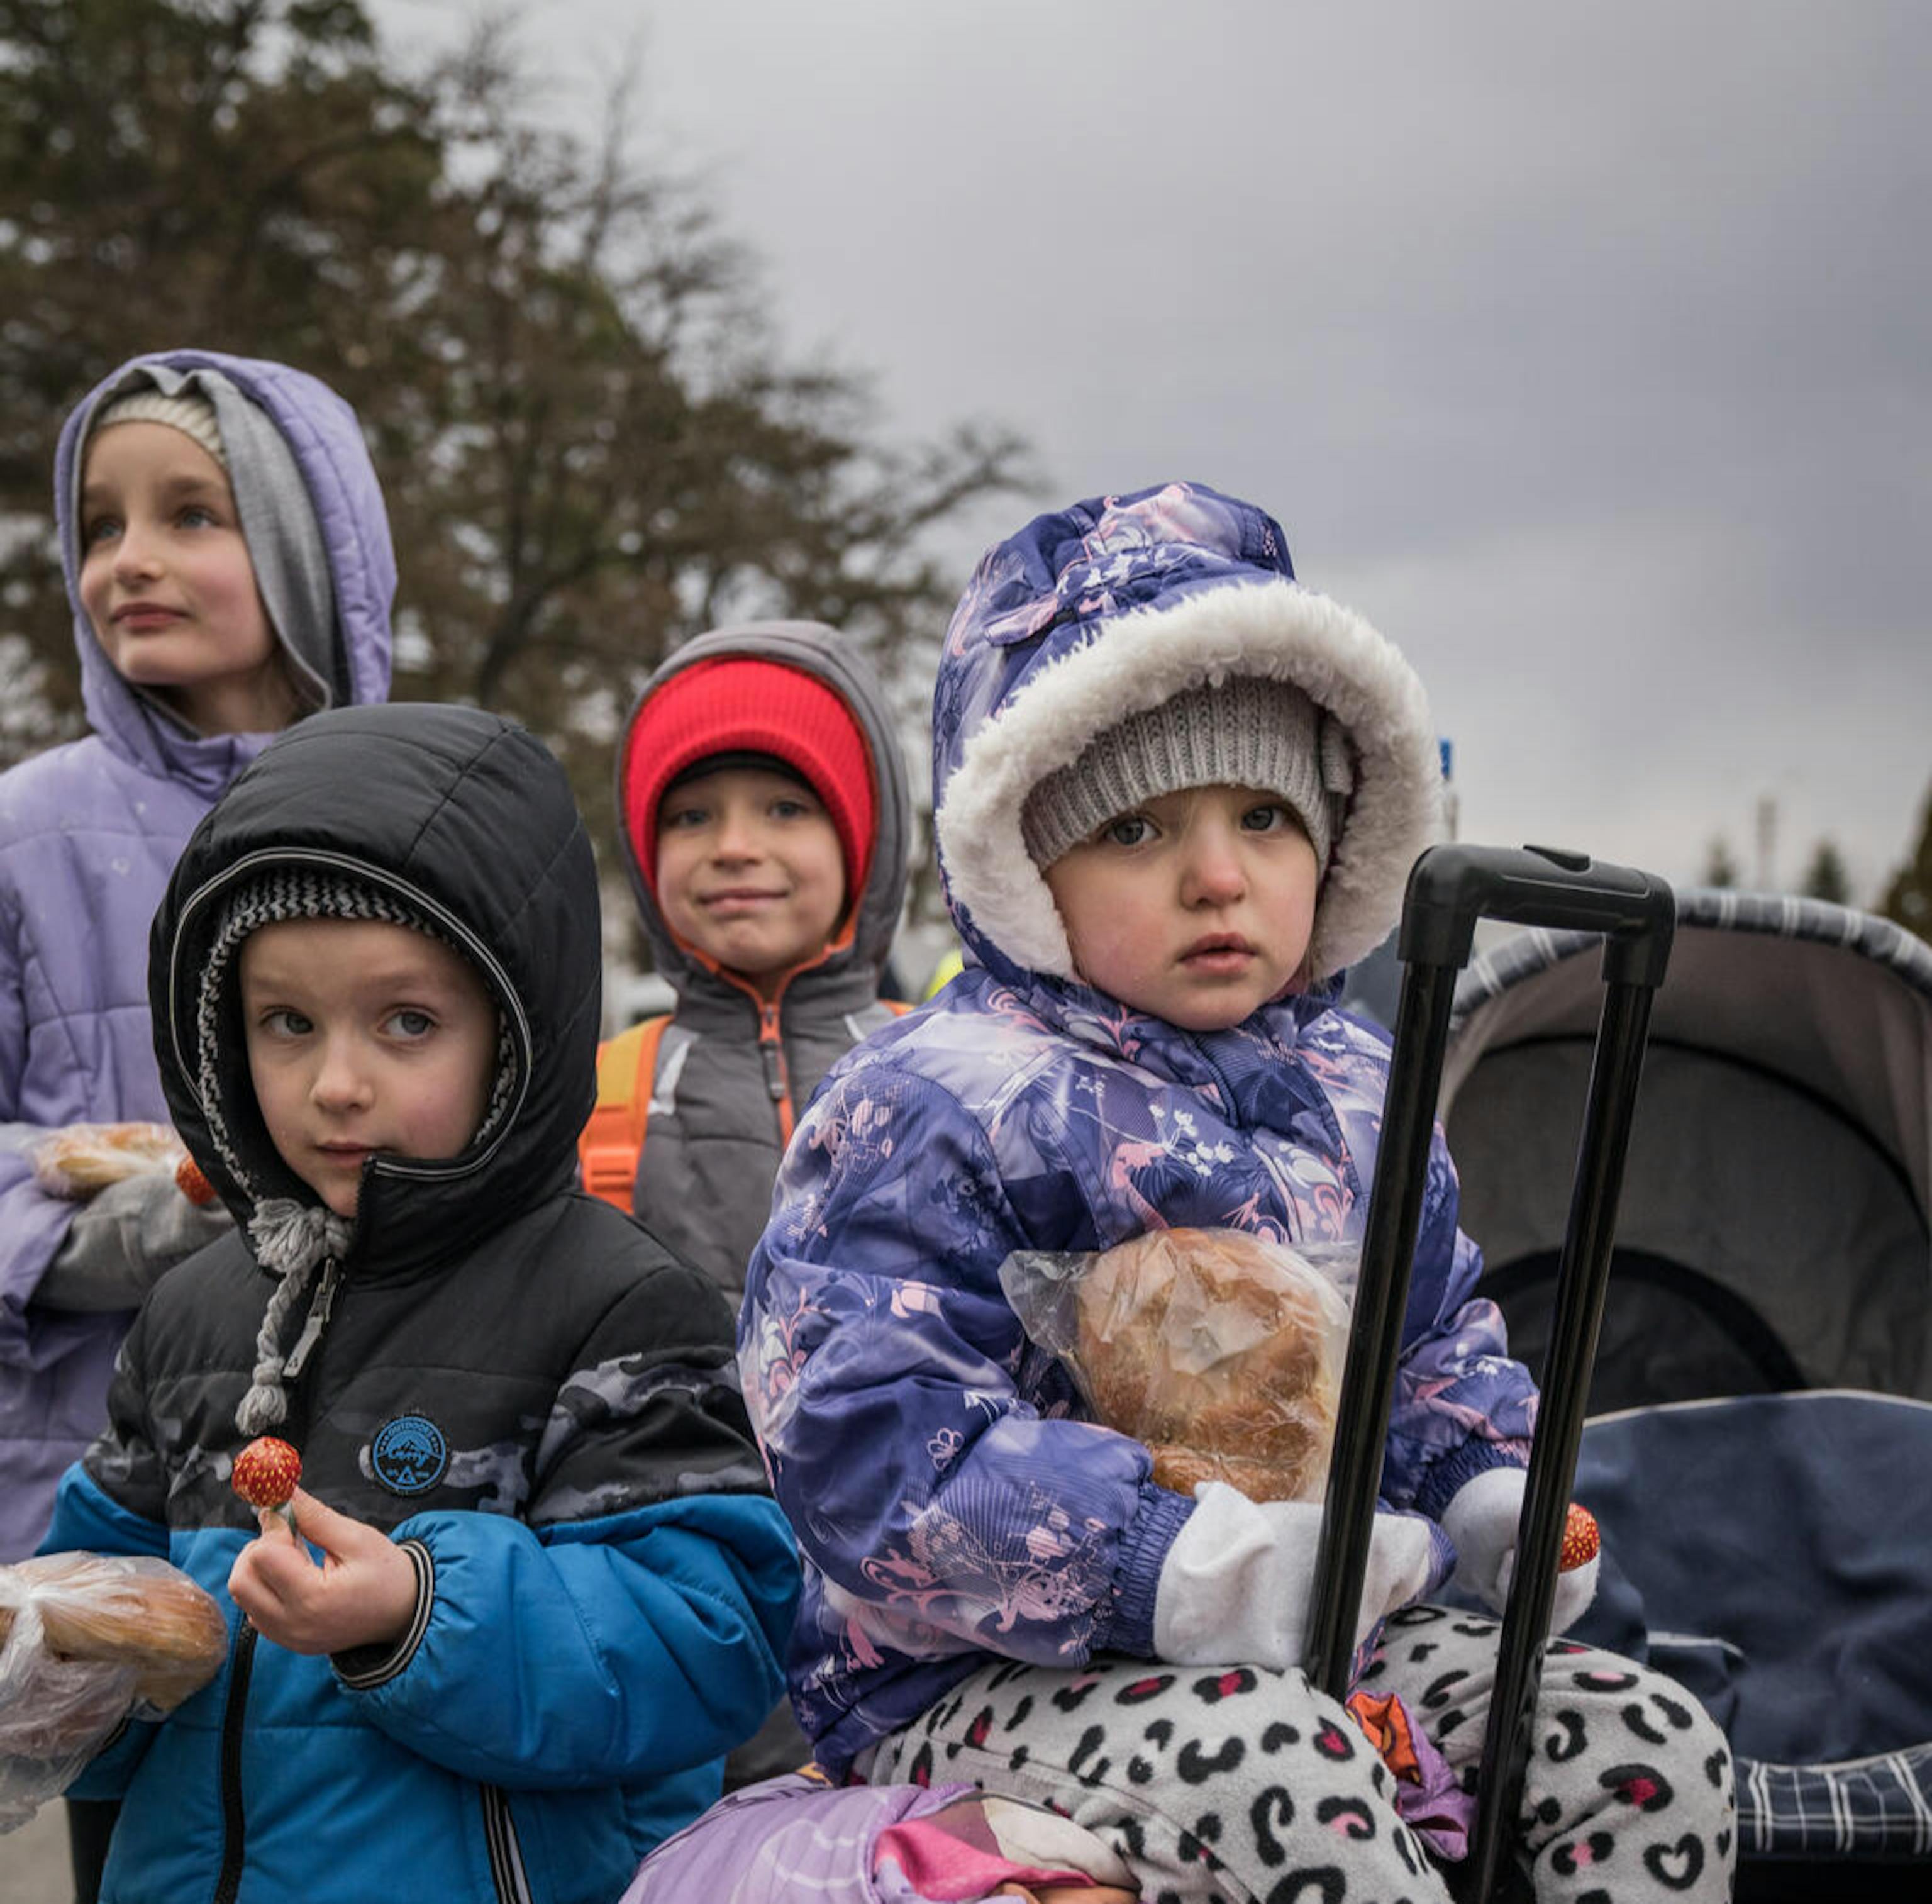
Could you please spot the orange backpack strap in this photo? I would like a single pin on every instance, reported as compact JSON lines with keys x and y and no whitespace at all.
{"x":612,"y":1142}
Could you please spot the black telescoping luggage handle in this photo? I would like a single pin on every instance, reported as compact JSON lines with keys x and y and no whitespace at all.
{"x":1449,"y":888}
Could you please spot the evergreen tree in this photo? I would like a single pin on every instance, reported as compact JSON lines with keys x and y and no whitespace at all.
{"x":1720,"y":868}
{"x":1908,"y":900}
{"x":1825,"y":878}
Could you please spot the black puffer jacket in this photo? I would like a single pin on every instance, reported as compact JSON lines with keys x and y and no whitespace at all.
{"x":528,"y":1392}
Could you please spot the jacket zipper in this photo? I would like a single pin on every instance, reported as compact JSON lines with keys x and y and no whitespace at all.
{"x":777,"y":1074}
{"x":235,"y":1708}
{"x":233,"y":1711}
{"x":506,"y":1855}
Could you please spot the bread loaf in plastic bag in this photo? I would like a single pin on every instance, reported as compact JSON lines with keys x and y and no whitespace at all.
{"x":1221,"y":1351}
{"x":87,"y":1640}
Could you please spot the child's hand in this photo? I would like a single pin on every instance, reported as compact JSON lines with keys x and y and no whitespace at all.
{"x":1236,"y":1585}
{"x":363,"y":1592}
{"x":1481,"y":1519}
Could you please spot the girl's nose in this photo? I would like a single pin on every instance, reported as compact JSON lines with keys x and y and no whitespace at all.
{"x":1212,"y":871}
{"x":137,"y":555}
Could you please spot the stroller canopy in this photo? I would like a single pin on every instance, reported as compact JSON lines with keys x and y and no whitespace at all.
{"x":1761,"y":1412}
{"x":1772,"y":1233}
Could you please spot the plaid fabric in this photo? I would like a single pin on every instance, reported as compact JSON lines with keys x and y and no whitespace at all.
{"x":1880,"y":1807}
{"x":1776,"y":915}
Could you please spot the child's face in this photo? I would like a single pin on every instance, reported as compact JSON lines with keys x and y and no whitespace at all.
{"x":749,"y":871}
{"x":1196,"y":907}
{"x":166,"y":580}
{"x":363,"y":1036}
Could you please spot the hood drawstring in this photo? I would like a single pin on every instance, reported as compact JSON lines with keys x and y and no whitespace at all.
{"x":290,"y":1239}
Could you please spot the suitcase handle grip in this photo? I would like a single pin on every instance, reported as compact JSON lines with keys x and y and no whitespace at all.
{"x":1450,"y":887}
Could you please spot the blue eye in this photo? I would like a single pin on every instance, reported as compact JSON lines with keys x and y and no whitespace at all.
{"x":410,"y":1023}
{"x":100,"y":529}
{"x":1130,"y":830}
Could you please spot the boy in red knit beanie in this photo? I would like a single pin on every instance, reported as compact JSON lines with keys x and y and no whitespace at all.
{"x":763,"y":812}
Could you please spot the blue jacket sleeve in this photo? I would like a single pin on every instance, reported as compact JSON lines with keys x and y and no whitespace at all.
{"x":634,"y":1624}
{"x":879,"y":1355}
{"x":32,"y":1224}
{"x":578,"y":1655}
{"x":1462,"y":1404}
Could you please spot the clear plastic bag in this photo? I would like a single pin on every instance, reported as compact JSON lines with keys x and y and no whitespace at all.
{"x":86,"y":1640}
{"x":79,"y":1160}
{"x":1221,"y":1351}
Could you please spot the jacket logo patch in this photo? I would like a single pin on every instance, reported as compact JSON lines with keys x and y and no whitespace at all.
{"x":409,"y":1454}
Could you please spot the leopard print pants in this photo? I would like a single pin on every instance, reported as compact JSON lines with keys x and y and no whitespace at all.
{"x":1244,"y":1786}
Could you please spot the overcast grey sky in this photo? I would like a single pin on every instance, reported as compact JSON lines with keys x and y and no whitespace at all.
{"x":1584,"y":350}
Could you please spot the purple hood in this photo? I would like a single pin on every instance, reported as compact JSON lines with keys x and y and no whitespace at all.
{"x":88,"y":834}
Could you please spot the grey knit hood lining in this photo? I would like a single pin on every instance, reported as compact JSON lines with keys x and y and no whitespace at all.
{"x":279,"y":525}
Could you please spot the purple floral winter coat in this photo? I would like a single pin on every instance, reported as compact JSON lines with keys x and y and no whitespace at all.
{"x":88,"y":834}
{"x":949,"y":1499}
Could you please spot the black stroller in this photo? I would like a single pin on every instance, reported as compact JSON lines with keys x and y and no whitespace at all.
{"x":1759,"y":1449}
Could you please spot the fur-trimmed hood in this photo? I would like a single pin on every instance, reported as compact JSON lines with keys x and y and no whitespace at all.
{"x":1094,"y":614}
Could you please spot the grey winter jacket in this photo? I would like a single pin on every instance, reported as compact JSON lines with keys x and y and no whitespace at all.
{"x":731,"y":1075}
{"x":88,"y":834}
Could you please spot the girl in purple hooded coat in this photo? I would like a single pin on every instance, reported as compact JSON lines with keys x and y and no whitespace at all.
{"x":227,"y":553}
{"x":228,"y":561}
{"x":1175,"y":794}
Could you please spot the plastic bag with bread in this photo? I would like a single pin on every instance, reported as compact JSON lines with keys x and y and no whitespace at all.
{"x":79,"y":1161}
{"x":1220,"y":1350}
{"x":86,"y":1640}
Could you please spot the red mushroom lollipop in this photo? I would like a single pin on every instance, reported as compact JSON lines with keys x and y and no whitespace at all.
{"x":266,"y":1474}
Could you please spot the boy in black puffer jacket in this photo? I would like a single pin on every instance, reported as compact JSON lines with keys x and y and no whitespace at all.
{"x":532,"y":1519}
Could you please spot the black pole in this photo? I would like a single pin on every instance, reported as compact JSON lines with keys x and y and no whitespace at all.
{"x":1375,"y":1330}
{"x":1582,"y":1278}
{"x":1449,"y":887}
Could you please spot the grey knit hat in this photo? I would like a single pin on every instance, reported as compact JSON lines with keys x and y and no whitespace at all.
{"x":187,"y":410}
{"x":1244,"y":731}
{"x":292,"y":1236}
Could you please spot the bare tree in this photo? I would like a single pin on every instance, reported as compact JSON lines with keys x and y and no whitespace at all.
{"x":589,"y":443}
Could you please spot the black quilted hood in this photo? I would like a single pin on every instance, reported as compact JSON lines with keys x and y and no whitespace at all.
{"x":468,"y":818}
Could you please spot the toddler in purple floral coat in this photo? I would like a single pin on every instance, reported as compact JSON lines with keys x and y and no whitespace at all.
{"x":1175,"y":794}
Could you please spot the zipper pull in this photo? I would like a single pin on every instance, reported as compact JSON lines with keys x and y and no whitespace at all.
{"x":778,"y":1075}
{"x":772,"y":1052}
{"x":318,"y":1320}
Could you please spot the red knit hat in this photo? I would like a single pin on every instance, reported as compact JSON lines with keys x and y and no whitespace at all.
{"x":736,"y":705}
